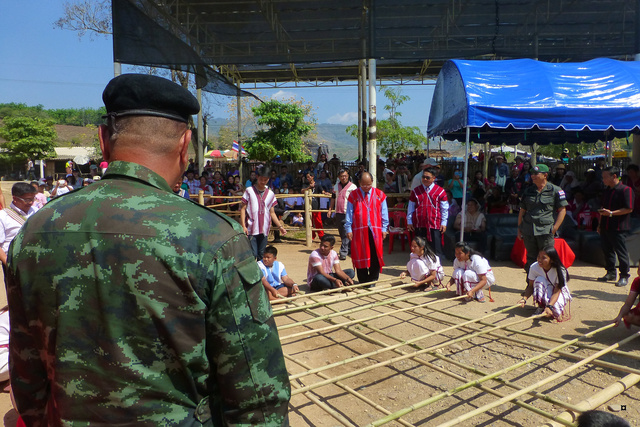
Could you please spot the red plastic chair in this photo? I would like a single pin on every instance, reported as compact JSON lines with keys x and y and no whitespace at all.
{"x":398,"y":220}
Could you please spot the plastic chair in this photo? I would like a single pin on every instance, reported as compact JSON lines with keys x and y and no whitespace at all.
{"x":397,"y":228}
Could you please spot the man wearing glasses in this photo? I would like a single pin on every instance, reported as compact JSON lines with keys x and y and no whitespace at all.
{"x":428,"y":211}
{"x":13,"y":217}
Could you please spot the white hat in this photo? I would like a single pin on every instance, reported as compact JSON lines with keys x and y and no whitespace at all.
{"x":429,"y":162}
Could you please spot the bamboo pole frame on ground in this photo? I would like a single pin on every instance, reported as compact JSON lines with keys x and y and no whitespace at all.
{"x":394,"y":346}
{"x":492,"y":332}
{"x":553,"y":377}
{"x":480,"y":386}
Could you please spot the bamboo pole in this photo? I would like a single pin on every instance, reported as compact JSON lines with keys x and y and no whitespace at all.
{"x":367,"y":292}
{"x":354,"y":310}
{"x":351,"y":391}
{"x":600,"y":398}
{"x":307,"y":217}
{"x":552,"y":339}
{"x":475,"y":370}
{"x":461,"y":365}
{"x":459,"y":377}
{"x":355,"y":287}
{"x":601,"y":363}
{"x":328,"y":409}
{"x":345,"y":324}
{"x":553,"y":377}
{"x":458,"y":389}
{"x":397,"y":359}
{"x":401,"y":344}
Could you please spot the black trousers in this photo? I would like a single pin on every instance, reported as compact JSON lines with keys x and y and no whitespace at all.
{"x":372,"y":273}
{"x":614,"y":245}
{"x":434,"y":240}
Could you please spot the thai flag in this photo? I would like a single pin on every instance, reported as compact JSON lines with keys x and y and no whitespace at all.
{"x":235,"y":147}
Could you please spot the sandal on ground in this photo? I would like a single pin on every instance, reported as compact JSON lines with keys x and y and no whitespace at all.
{"x":482,"y":300}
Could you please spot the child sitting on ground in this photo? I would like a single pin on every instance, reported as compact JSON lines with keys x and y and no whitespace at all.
{"x":547,"y":280}
{"x":424,"y":266}
{"x":471,"y":273}
{"x":324,"y":271}
{"x":297,"y":220}
{"x":274,"y":276}
{"x":630,"y":316}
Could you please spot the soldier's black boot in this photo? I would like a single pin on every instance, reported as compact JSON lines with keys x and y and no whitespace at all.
{"x":609,"y":277}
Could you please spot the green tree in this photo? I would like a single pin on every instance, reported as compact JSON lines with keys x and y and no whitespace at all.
{"x":282,"y":128}
{"x":22,"y":110}
{"x":27,"y":137}
{"x":392,"y":136}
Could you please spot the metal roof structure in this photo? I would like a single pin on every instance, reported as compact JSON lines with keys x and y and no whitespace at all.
{"x":312,"y":42}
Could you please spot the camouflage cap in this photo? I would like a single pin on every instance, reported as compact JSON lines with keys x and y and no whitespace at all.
{"x":145,"y":95}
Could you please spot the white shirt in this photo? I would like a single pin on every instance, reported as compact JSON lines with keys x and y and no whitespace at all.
{"x":419,"y":267}
{"x":9,"y":227}
{"x":477,"y":264}
{"x":536,"y":271}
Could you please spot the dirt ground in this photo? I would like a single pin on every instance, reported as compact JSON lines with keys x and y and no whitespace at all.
{"x":402,"y":383}
{"x":376,"y":384}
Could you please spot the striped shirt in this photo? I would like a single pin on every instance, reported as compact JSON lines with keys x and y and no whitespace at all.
{"x":258,"y":218}
{"x":428,"y":207}
{"x":327,"y":262}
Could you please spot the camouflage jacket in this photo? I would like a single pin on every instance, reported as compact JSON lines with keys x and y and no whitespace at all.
{"x":133,"y":306}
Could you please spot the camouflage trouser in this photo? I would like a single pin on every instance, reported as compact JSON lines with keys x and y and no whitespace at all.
{"x":533,"y":245}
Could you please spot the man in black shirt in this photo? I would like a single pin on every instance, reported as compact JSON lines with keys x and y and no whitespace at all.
{"x":615,"y":219}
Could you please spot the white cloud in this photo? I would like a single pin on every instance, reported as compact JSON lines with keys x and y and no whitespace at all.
{"x":349,"y":118}
{"x":282,"y":95}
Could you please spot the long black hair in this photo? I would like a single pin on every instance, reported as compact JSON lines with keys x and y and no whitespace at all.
{"x":428,"y":252}
{"x":561,"y":270}
{"x":467,"y":249}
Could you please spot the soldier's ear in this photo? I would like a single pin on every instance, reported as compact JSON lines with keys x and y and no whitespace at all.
{"x":185,"y":139}
{"x":105,"y":145}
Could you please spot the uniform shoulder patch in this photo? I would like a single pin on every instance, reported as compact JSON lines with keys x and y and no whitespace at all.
{"x":561,"y":194}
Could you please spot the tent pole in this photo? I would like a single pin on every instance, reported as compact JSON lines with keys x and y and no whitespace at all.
{"x":464,"y":190}
{"x":534,"y":154}
{"x":485,"y":162}
{"x":610,"y":153}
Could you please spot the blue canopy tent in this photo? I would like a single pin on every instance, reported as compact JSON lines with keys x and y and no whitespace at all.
{"x":526,"y":101}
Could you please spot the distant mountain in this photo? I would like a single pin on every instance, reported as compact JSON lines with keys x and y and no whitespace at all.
{"x":338,"y":141}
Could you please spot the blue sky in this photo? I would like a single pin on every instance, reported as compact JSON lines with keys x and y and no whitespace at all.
{"x":55,"y":68}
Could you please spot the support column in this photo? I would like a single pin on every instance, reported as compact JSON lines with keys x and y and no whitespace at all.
{"x":239,"y":133}
{"x":373,"y":143}
{"x":117,"y":69}
{"x":360,"y":109}
{"x":200,"y":152}
{"x":363,"y":111}
{"x":534,"y":154}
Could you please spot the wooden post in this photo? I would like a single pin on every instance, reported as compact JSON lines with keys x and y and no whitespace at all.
{"x":201,"y":197}
{"x":307,"y":217}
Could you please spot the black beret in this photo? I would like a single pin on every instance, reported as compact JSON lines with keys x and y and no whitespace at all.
{"x":145,"y":95}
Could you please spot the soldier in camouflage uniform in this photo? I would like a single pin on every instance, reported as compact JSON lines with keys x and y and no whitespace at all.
{"x":133,"y":306}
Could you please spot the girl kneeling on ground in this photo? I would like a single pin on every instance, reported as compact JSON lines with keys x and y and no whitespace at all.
{"x":548,"y":279}
{"x":424,"y":266}
{"x":471,"y":273}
